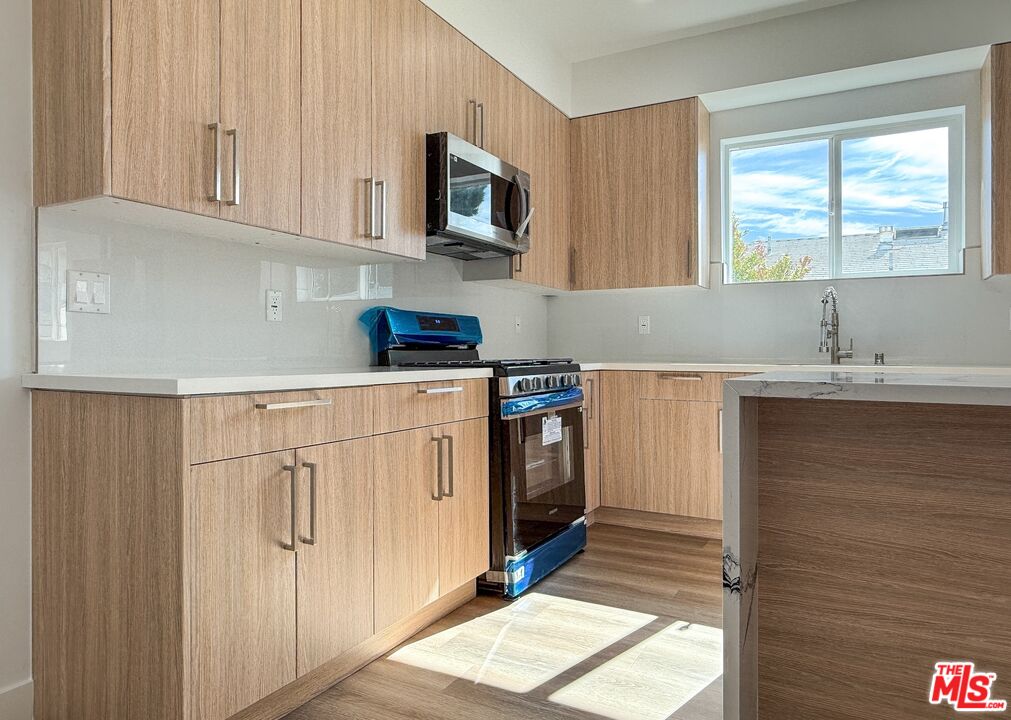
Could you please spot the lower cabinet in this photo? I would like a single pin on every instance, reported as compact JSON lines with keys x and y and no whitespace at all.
{"x":431,"y":515}
{"x":335,"y":551}
{"x":661,"y":449}
{"x":197,"y":555}
{"x":680,"y":469}
{"x":252,"y":608}
{"x":243,"y":583}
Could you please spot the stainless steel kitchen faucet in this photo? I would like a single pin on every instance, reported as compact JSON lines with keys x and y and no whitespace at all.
{"x":830,"y":327}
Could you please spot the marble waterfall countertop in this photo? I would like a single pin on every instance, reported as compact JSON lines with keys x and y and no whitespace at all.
{"x":216,"y":383}
{"x":957,"y":386}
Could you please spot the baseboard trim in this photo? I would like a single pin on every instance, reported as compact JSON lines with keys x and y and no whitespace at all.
{"x":674,"y":524}
{"x":298,"y":693}
{"x":16,"y":701}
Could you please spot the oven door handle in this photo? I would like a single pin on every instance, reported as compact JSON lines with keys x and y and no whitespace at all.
{"x":542,"y":410}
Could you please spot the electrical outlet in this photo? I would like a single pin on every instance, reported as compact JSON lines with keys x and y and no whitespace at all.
{"x":644,"y":327}
{"x":519,"y":324}
{"x":274,"y":298}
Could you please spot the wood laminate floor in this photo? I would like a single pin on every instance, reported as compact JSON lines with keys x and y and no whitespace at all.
{"x":635,"y":589}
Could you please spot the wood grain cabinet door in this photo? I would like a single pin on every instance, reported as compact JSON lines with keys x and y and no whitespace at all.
{"x":453,"y":68}
{"x":679,"y":455}
{"x":260,"y":111}
{"x":464,"y":551}
{"x":243,"y":582}
{"x":638,"y":196}
{"x":164,"y":96}
{"x":336,"y":119}
{"x":399,"y":112}
{"x":407,"y":475}
{"x":335,"y":558}
{"x":495,"y":88}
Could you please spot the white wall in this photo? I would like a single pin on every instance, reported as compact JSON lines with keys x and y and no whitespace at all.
{"x":16,"y":278}
{"x":852,"y":35}
{"x":190,"y":304}
{"x":951,"y":319}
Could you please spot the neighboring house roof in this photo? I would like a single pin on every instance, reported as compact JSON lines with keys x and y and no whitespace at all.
{"x":889,"y":250}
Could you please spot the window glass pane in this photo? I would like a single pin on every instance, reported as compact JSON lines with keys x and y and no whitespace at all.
{"x":895,"y":203}
{"x":779,"y":200}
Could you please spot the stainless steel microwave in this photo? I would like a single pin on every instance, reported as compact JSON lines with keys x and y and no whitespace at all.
{"x":478,"y":206}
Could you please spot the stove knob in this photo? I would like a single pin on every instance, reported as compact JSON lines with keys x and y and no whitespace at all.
{"x":577,"y":380}
{"x":566,"y":380}
{"x":525,"y":385}
{"x":553,"y":381}
{"x":537,"y":384}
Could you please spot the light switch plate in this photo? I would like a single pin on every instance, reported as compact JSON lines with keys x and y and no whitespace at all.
{"x":89,"y":292}
{"x":644,"y":325}
{"x":274,"y":299}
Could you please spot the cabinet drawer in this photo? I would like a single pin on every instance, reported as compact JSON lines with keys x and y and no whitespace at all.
{"x":411,"y":405}
{"x":231,"y":426}
{"x":677,"y":385}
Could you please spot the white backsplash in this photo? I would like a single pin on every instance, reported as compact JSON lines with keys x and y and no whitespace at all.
{"x":189,"y":304}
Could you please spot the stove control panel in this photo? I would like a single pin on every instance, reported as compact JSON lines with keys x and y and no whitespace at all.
{"x":533,"y":384}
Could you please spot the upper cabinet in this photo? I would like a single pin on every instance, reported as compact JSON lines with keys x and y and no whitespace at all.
{"x":639,"y":205}
{"x":198,"y":112}
{"x":454,"y":70}
{"x":260,"y":106}
{"x":996,"y":191}
{"x":363,"y":123}
{"x":305,"y":117}
{"x":398,"y":125}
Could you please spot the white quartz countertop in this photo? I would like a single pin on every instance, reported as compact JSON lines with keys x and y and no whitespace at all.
{"x":200,"y":384}
{"x":214,"y":383}
{"x":771,"y":367}
{"x":960,"y":386}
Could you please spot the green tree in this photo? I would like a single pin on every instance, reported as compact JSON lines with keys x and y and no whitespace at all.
{"x":751,"y":264}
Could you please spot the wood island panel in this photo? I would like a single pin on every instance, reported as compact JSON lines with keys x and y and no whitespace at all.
{"x":883,"y":532}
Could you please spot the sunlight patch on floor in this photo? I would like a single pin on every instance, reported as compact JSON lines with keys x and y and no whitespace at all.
{"x":525,"y":644}
{"x":653,"y":679}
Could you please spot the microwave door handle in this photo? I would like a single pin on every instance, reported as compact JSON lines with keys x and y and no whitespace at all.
{"x":523,"y":225}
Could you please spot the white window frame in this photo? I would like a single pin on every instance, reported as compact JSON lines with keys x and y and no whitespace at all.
{"x":951,"y":118}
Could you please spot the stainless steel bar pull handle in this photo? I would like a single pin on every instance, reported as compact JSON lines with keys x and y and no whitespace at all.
{"x":215,"y":195}
{"x":370,"y":195}
{"x":480,"y":109}
{"x":591,"y":395}
{"x":452,"y":466}
{"x":381,"y":184}
{"x":473,"y":124}
{"x":294,"y":405}
{"x":440,"y":465}
{"x":236,"y":173}
{"x":440,"y":391}
{"x":719,"y":430}
{"x":674,"y":376}
{"x":293,"y":471}
{"x":311,"y":540}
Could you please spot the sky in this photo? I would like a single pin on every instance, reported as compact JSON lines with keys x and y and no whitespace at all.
{"x":783,"y":191}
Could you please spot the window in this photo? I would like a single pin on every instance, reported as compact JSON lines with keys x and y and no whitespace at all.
{"x":880,"y":199}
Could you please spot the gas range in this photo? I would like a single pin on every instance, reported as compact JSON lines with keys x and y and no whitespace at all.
{"x":517,"y":376}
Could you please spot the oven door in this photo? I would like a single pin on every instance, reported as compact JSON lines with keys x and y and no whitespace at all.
{"x":546,"y":492}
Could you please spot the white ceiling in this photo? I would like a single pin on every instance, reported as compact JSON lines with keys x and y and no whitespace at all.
{"x":582,"y":29}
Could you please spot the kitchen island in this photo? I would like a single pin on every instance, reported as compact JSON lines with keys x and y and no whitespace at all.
{"x":867,"y":536}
